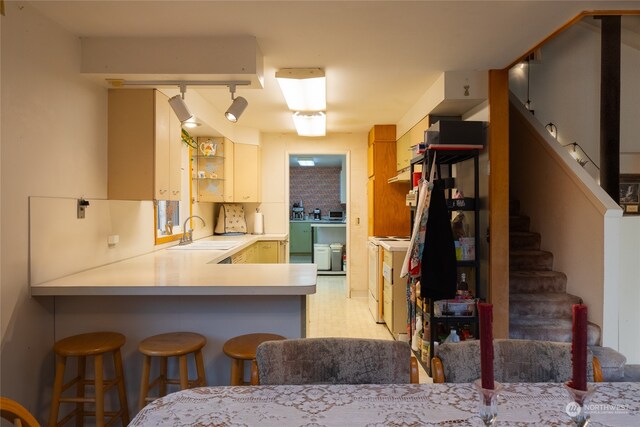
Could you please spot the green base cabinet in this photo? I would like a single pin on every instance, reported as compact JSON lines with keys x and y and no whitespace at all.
{"x":300,"y":237}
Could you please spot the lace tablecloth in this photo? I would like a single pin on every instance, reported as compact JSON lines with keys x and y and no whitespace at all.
{"x":613,"y":404}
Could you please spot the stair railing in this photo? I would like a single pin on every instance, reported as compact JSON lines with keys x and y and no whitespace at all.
{"x":583,"y":158}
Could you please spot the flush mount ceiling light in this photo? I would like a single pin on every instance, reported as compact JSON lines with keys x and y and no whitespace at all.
{"x":310,"y":123}
{"x":177,"y":102}
{"x":237,"y":107}
{"x":304,"y":89}
{"x":306,"y":162}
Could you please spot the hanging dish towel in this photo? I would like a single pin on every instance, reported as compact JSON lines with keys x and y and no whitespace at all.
{"x":413,"y":256}
{"x":231,"y":220}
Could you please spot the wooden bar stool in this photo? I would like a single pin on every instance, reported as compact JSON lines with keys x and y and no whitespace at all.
{"x":174,"y":344}
{"x":96,"y":345}
{"x":243,"y":348}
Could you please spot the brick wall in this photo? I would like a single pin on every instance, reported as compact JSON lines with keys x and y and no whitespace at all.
{"x":317,"y":187}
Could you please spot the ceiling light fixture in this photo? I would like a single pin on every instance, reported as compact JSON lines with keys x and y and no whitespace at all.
{"x":179,"y":106}
{"x":310,"y":123}
{"x":306,"y":162}
{"x":177,"y":102}
{"x":304,"y":89}
{"x":237,"y":107}
{"x":191,"y":123}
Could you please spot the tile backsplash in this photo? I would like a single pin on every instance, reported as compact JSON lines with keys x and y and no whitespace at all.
{"x":317,"y":187}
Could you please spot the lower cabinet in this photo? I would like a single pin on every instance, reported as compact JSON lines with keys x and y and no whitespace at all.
{"x":264,"y":252}
{"x":267,"y":252}
{"x":300,"y":237}
{"x":394,"y":303}
{"x":246,"y":256}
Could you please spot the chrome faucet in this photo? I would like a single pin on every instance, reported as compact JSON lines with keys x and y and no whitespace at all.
{"x":187,"y":234}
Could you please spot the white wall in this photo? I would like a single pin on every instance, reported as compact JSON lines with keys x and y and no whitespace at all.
{"x":565,"y":90}
{"x":53,"y":144}
{"x":582,"y":227}
{"x":54,"y":149}
{"x":275,"y":203}
{"x":629,"y":289}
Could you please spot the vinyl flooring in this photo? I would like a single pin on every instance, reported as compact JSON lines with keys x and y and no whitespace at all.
{"x":331,"y":314}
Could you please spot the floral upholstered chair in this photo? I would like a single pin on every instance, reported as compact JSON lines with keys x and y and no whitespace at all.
{"x":515,"y":361}
{"x":334,"y":361}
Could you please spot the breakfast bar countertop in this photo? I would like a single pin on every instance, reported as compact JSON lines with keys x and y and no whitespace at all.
{"x":187,"y":272}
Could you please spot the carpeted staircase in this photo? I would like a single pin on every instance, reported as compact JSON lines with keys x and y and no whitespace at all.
{"x":539,"y":306}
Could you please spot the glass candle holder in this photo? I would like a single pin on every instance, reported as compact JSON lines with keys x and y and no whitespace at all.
{"x":488,"y":401}
{"x":578,"y":408}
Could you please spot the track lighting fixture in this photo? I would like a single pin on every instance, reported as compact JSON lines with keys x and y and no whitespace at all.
{"x":177,"y":103}
{"x":179,"y":106}
{"x":237,"y":107}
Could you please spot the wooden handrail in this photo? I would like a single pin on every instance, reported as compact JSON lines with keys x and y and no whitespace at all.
{"x":568,"y":24}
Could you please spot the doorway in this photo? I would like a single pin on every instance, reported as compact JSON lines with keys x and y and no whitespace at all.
{"x":318,"y":211}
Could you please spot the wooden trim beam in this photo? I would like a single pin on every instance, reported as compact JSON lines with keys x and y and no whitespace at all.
{"x":610,"y":80}
{"x":499,"y":200}
{"x":568,"y":24}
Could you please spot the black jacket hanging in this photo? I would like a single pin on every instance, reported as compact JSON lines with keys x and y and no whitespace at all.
{"x":439,"y":267}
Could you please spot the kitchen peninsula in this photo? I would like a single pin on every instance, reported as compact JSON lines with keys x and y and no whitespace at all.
{"x":172,"y":290}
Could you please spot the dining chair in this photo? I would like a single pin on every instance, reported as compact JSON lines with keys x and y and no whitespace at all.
{"x":16,"y":413}
{"x":515,"y":361}
{"x":334,"y":361}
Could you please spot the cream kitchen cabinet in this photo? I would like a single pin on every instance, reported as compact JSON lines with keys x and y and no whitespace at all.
{"x":394,"y":306}
{"x":232,"y":175}
{"x":246,"y":256}
{"x":145,"y":149}
{"x":242,"y":172}
{"x":267,"y":252}
{"x":229,"y":158}
{"x":272,"y":252}
{"x":246,"y":173}
{"x":262,"y":252}
{"x":413,"y":137}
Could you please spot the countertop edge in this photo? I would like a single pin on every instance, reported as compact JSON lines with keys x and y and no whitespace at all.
{"x":78,"y":291}
{"x":176,"y":273}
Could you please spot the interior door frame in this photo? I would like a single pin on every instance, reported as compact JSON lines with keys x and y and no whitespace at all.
{"x":347,"y":154}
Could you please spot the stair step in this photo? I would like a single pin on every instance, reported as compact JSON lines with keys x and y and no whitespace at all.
{"x":524,"y":240}
{"x":525,"y":282}
{"x":546,"y":305}
{"x":530,"y":260}
{"x":558,"y":330}
{"x":519,"y":223}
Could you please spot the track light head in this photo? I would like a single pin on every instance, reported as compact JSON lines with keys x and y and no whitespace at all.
{"x":180,"y":108}
{"x":237,"y":107}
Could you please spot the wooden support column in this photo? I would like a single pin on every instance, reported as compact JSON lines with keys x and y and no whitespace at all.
{"x":610,"y":106}
{"x":499,"y":200}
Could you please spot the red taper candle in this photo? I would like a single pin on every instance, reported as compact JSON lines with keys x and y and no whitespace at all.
{"x":579,"y":347}
{"x":486,"y":344}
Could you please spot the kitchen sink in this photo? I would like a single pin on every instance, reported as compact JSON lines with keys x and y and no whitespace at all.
{"x":203,"y":245}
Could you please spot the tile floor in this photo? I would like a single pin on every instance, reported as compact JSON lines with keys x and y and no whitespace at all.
{"x":331,"y":314}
